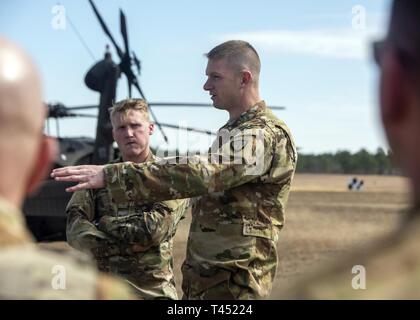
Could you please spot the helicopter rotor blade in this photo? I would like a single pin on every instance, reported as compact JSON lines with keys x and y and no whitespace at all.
{"x":81,"y":115}
{"x":123,"y":27}
{"x":170,"y":104}
{"x":105,"y":29}
{"x":137,"y":63}
{"x":136,"y":85}
{"x":126,"y":60}
{"x":83,"y":107}
{"x":129,"y":88}
{"x":188,"y":128}
{"x":192,"y":104}
{"x":179,"y":104}
{"x":59,"y":110}
{"x":165,"y":137}
{"x":125,"y":64}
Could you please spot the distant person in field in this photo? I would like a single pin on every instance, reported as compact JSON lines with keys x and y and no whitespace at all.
{"x":389,"y":269}
{"x":360,"y":185}
{"x":352,"y":184}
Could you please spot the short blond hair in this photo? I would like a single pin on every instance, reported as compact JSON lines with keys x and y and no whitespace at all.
{"x":124,"y":106}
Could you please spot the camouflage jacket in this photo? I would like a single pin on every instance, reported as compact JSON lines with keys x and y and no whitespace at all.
{"x":130,"y":239}
{"x":240,"y":206}
{"x":30,"y":272}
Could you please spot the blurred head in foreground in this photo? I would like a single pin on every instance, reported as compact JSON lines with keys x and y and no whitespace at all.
{"x":398,"y":58}
{"x":26,"y":270}
{"x":25,"y":153}
{"x":389,"y":268}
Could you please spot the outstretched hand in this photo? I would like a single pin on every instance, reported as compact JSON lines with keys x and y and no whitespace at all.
{"x":87,"y":176}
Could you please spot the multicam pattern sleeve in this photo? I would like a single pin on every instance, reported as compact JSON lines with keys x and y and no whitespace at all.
{"x":244,"y":157}
{"x":82,"y":234}
{"x":148,"y":227}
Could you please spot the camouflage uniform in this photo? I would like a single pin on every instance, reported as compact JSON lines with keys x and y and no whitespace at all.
{"x":131,"y":239}
{"x":28,"y":272}
{"x":391,"y":271}
{"x":231,"y":252}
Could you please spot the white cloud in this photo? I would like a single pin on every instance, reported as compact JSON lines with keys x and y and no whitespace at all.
{"x":337,"y":43}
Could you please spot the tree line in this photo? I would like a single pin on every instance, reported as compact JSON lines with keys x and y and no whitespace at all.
{"x":345,"y":162}
{"x":361,"y":162}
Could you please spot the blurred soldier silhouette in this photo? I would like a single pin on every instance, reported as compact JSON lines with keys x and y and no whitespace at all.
{"x":391,"y":267}
{"x":27,"y":271}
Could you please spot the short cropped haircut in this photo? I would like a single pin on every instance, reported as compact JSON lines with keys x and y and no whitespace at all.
{"x":239,"y":53}
{"x":130,"y":104}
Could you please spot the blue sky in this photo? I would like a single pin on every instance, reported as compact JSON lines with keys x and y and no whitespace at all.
{"x":315,"y":60}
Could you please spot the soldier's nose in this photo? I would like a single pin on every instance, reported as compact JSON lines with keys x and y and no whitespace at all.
{"x":206,"y":86}
{"x":129,"y":132}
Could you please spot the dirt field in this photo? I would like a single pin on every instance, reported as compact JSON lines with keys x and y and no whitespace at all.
{"x":324,"y":221}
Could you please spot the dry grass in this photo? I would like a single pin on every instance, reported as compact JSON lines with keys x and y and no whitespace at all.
{"x":324,"y":221}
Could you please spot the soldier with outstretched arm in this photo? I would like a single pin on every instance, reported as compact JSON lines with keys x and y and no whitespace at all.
{"x":242,"y":185}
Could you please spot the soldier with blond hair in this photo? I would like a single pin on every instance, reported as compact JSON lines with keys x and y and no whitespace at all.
{"x":130,"y":239}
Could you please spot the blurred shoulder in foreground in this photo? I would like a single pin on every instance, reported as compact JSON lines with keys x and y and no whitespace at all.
{"x":26,"y":270}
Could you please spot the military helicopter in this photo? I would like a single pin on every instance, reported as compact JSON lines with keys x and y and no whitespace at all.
{"x":45,"y":211}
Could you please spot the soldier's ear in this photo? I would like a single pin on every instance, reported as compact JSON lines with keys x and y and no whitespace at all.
{"x":47,"y":153}
{"x":246,"y":78}
{"x":151,"y":128}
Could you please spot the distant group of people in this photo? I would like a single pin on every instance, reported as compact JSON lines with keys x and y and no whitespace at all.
{"x":125,"y":214}
{"x":355,"y":184}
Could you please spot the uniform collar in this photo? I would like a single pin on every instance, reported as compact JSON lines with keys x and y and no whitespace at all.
{"x":247,"y":115}
{"x":12,"y":225}
{"x":150,"y":157}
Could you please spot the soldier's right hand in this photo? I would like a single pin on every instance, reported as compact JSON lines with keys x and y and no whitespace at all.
{"x":87,"y":176}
